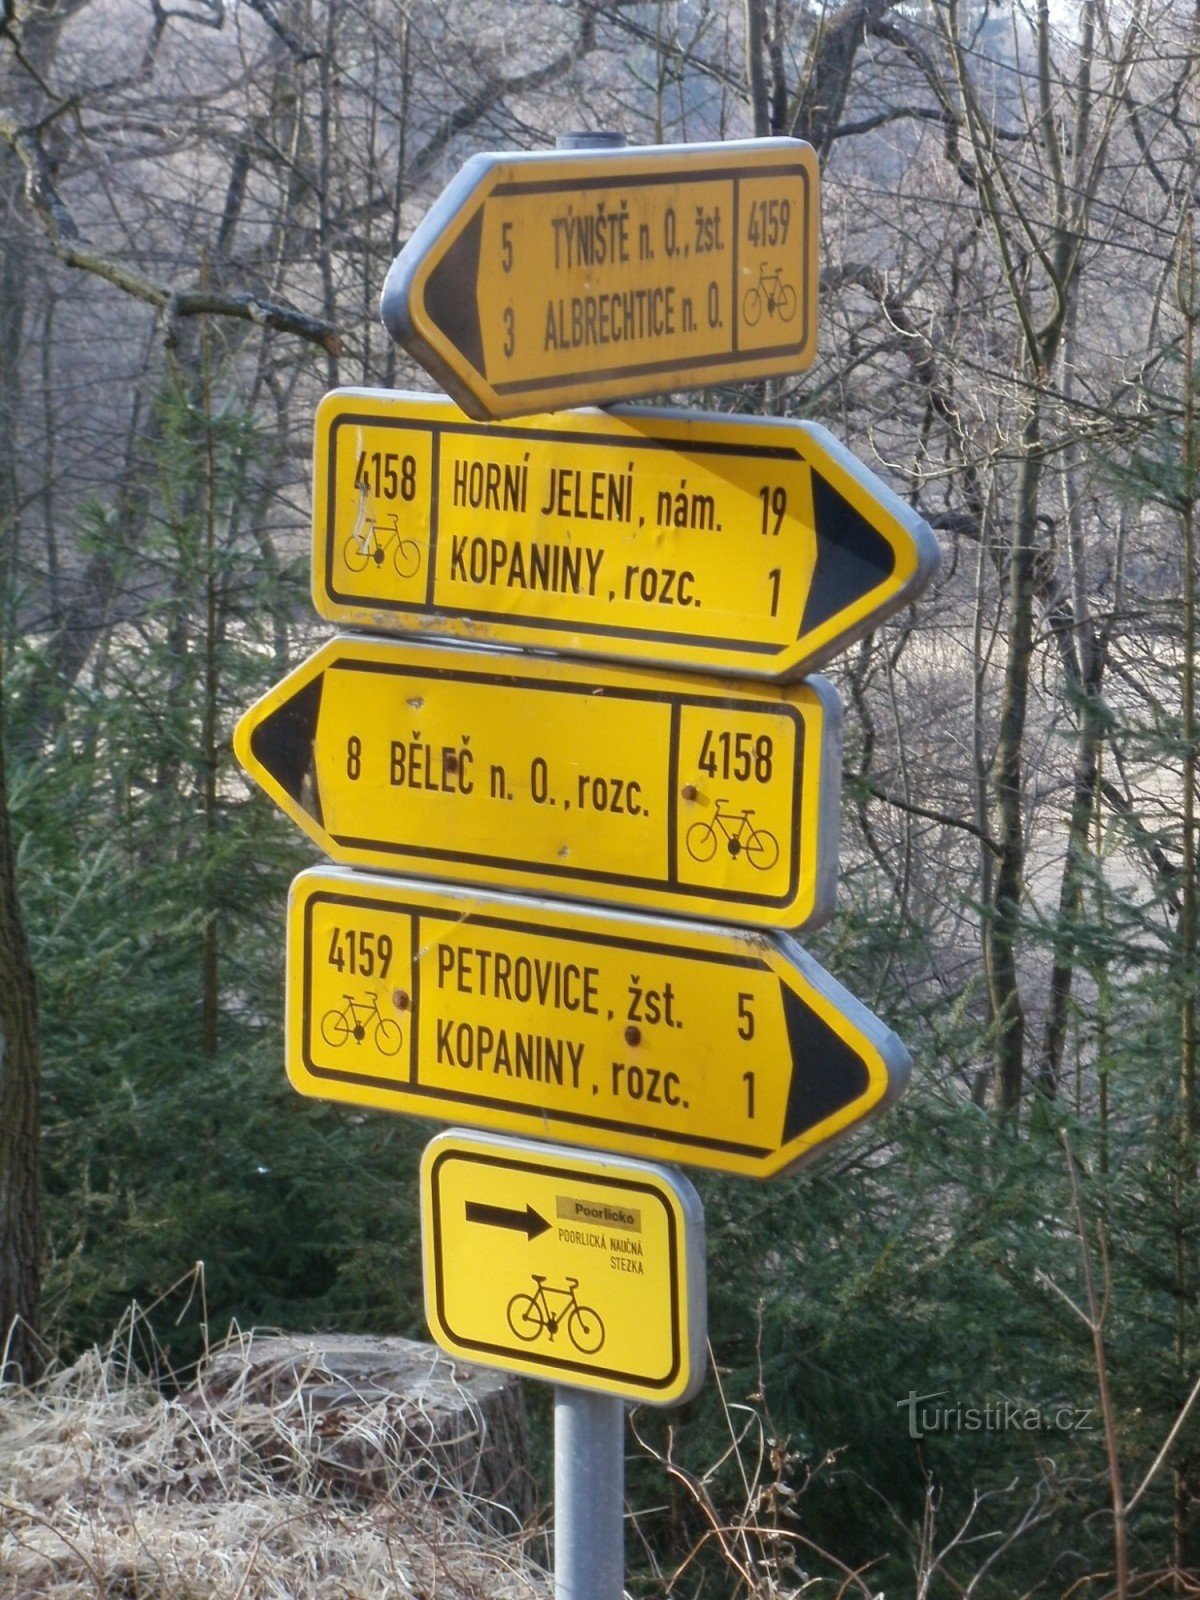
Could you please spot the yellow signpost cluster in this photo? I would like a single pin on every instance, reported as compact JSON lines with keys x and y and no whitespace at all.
{"x":573,"y":733}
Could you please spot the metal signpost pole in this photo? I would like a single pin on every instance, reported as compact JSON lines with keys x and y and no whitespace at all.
{"x":589,"y":1495}
{"x":557,"y":1227}
{"x":589,"y":1429}
{"x":606,"y":139}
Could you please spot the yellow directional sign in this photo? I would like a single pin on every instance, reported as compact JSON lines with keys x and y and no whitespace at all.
{"x":719,"y":543}
{"x":542,"y":280}
{"x":583,"y":1270}
{"x":670,"y":793}
{"x":672,"y":1041}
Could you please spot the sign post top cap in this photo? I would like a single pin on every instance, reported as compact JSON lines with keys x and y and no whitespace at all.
{"x":597,"y":139}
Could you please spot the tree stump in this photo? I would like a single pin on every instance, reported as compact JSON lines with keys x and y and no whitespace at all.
{"x":365,"y":1417}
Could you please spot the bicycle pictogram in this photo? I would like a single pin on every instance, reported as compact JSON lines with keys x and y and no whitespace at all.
{"x":379,"y":536}
{"x":530,"y":1315}
{"x":351,"y":1021}
{"x":742,"y":839}
{"x":769,"y":294}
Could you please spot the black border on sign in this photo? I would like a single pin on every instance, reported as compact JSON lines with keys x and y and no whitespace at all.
{"x":693,"y":362}
{"x":669,"y":882}
{"x":430,"y":1098}
{"x":429,"y":607}
{"x":568,"y":1175}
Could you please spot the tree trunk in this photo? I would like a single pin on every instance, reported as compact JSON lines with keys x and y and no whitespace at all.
{"x":1070,"y":899}
{"x":1186,"y":1476}
{"x":1004,"y":926}
{"x":210,"y":758}
{"x":1083,"y":652}
{"x":20,"y":1120}
{"x":20,"y":1059}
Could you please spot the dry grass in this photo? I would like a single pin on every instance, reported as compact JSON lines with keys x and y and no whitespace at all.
{"x":110,"y":1490}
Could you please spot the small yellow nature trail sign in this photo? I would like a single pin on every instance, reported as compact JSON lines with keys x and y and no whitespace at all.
{"x":683,"y":794}
{"x":733,"y":544}
{"x":579,"y":1269}
{"x":541,"y":280}
{"x":670,"y":1041}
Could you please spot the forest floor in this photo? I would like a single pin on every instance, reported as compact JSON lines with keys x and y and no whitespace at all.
{"x":114,"y":1489}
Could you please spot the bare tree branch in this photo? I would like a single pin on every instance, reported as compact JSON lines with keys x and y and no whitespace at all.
{"x":498,"y":89}
{"x":26,"y":145}
{"x":266,"y":11}
{"x":178,"y":303}
{"x":930,"y":815}
{"x":829,"y":66}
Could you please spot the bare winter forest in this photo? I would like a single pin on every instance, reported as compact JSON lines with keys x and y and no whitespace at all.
{"x":199,"y":203}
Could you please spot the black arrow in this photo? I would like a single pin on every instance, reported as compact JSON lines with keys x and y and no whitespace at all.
{"x":457,"y":314}
{"x":284,"y":742}
{"x":527,"y":1222}
{"x":853,"y":557}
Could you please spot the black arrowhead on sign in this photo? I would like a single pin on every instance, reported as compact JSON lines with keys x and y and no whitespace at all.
{"x":527,"y":1222}
{"x":827,"y":1072}
{"x":284,"y":742}
{"x":852,"y":557}
{"x":451,"y":298}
